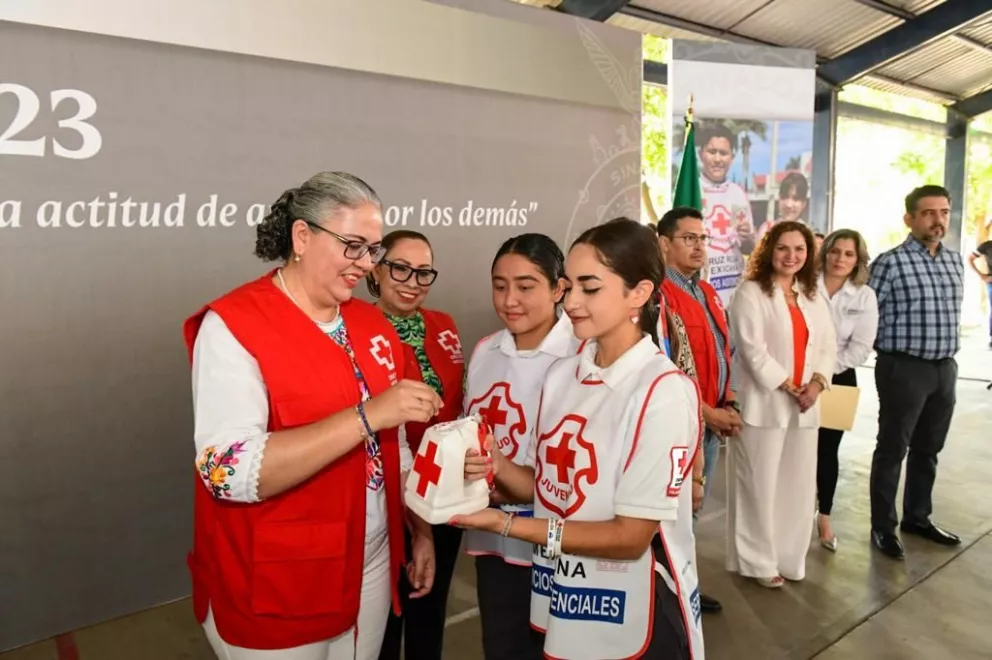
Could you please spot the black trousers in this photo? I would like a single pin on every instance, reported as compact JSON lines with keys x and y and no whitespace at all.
{"x":915,"y":404}
{"x":504,"y":608}
{"x":827,"y":464}
{"x":420,"y":631}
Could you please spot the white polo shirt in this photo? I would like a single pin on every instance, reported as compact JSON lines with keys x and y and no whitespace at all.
{"x":614,"y":441}
{"x":504,"y":385}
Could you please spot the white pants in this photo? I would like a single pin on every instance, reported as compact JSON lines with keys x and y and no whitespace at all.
{"x":372,"y":614}
{"x":771,"y":478}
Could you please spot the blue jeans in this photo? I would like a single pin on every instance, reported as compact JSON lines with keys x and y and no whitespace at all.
{"x":711,"y":456}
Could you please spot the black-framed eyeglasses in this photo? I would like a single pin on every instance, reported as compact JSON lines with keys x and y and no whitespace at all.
{"x":354,"y":249}
{"x":403,"y":273}
{"x":691,"y":240}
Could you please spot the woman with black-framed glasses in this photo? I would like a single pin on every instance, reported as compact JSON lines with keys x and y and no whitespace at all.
{"x":299,"y":405}
{"x":432,"y":349}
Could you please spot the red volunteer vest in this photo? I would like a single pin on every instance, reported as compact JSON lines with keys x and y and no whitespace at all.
{"x":444,"y":352}
{"x":288,"y":571}
{"x":701,"y":339}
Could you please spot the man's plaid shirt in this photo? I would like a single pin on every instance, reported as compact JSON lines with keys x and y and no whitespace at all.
{"x":919,"y":300}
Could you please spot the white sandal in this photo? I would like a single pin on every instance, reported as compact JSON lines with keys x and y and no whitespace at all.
{"x":771,"y":583}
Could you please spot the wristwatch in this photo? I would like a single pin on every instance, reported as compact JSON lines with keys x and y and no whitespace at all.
{"x":735,"y":404}
{"x":699,"y":480}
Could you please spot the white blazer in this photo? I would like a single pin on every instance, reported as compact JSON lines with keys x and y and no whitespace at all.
{"x":761,"y":329}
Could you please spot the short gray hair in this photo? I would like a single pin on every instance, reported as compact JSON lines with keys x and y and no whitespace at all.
{"x":859,"y":274}
{"x":320,"y":196}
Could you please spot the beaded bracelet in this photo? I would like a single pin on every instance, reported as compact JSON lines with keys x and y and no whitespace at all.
{"x":366,"y":428}
{"x":507,"y":523}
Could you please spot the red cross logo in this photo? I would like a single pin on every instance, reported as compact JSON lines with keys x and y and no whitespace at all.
{"x":382,"y":351}
{"x":450,"y":342}
{"x":492,"y":414}
{"x":680,"y":464}
{"x":722,"y":224}
{"x":504,"y":416}
{"x":427,"y":469}
{"x":562,"y":458}
{"x":573,"y":458}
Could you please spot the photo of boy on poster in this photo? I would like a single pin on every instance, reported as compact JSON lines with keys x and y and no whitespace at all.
{"x":753,"y":174}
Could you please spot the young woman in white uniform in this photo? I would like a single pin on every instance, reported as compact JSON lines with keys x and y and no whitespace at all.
{"x":617,"y":428}
{"x":503,"y":384}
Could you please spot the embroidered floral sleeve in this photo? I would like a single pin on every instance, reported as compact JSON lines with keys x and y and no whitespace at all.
{"x":230,"y":409}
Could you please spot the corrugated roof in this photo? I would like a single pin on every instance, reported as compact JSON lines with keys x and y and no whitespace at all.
{"x":948,"y":69}
{"x":829,"y":28}
{"x":721,"y":14}
{"x":657,"y":29}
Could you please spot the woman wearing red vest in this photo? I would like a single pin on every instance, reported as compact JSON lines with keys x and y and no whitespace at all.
{"x":432,"y":353}
{"x":298,"y":393}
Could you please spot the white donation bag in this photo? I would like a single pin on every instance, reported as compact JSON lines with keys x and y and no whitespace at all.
{"x":436,"y":488}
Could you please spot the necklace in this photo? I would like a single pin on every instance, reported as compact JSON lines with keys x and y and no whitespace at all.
{"x":282,"y":285}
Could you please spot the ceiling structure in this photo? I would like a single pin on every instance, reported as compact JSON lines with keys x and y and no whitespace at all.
{"x":936,"y":50}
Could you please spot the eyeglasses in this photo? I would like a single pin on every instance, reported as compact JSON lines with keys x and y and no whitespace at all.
{"x":403,"y":273}
{"x":692,"y":239}
{"x":353,"y":249}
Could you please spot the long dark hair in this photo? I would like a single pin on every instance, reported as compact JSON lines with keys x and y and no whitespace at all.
{"x":630,"y":250}
{"x":759,"y":266}
{"x":538,"y":249}
{"x":388,"y":241}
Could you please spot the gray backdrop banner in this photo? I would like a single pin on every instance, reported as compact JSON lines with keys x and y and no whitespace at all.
{"x":131,"y":174}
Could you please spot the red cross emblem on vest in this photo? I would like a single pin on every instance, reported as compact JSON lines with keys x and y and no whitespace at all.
{"x":566,"y":465}
{"x":427,"y":469}
{"x":503,"y":415}
{"x":382,"y":351}
{"x":449,"y":341}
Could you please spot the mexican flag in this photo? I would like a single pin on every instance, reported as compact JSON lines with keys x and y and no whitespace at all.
{"x":687,"y":190}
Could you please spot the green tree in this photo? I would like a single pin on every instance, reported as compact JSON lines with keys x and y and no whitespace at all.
{"x":654,"y":135}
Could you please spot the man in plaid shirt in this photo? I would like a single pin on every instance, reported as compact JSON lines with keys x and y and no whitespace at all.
{"x":920,"y":286}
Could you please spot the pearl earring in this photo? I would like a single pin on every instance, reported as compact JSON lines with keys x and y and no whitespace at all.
{"x":635,"y":318}
{"x":296,"y":258}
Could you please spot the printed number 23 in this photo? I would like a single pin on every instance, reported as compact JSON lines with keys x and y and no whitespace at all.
{"x":28,"y":106}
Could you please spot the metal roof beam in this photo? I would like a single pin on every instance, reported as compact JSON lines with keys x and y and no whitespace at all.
{"x":974,"y":105}
{"x":596,"y":10}
{"x":690,"y":26}
{"x":899,"y":12}
{"x":914,"y":33}
{"x":655,"y":73}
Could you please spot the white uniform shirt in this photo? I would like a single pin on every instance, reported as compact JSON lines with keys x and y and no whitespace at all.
{"x":504,"y":385}
{"x":609,"y":442}
{"x":854,"y":310}
{"x":231,"y":410}
{"x":724,"y":205}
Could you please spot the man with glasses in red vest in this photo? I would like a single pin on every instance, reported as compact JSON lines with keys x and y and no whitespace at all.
{"x":682,"y":236}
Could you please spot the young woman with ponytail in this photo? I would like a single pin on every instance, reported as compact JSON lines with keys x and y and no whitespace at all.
{"x":613,"y":571}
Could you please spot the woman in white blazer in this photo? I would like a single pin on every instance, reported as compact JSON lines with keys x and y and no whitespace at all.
{"x":843,"y":276}
{"x":785,"y":351}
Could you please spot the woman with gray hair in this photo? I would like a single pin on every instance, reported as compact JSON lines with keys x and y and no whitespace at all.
{"x":299,"y":403}
{"x":843,"y":283}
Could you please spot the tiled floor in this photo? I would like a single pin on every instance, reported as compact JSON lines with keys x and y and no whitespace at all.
{"x":854,"y":604}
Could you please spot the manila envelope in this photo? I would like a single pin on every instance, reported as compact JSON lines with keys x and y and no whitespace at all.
{"x":838,"y":407}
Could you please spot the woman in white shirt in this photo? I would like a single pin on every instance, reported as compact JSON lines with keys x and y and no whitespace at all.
{"x":854,"y":308}
{"x":299,"y":400}
{"x":503,"y":385}
{"x":785,"y":349}
{"x":618,"y":425}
